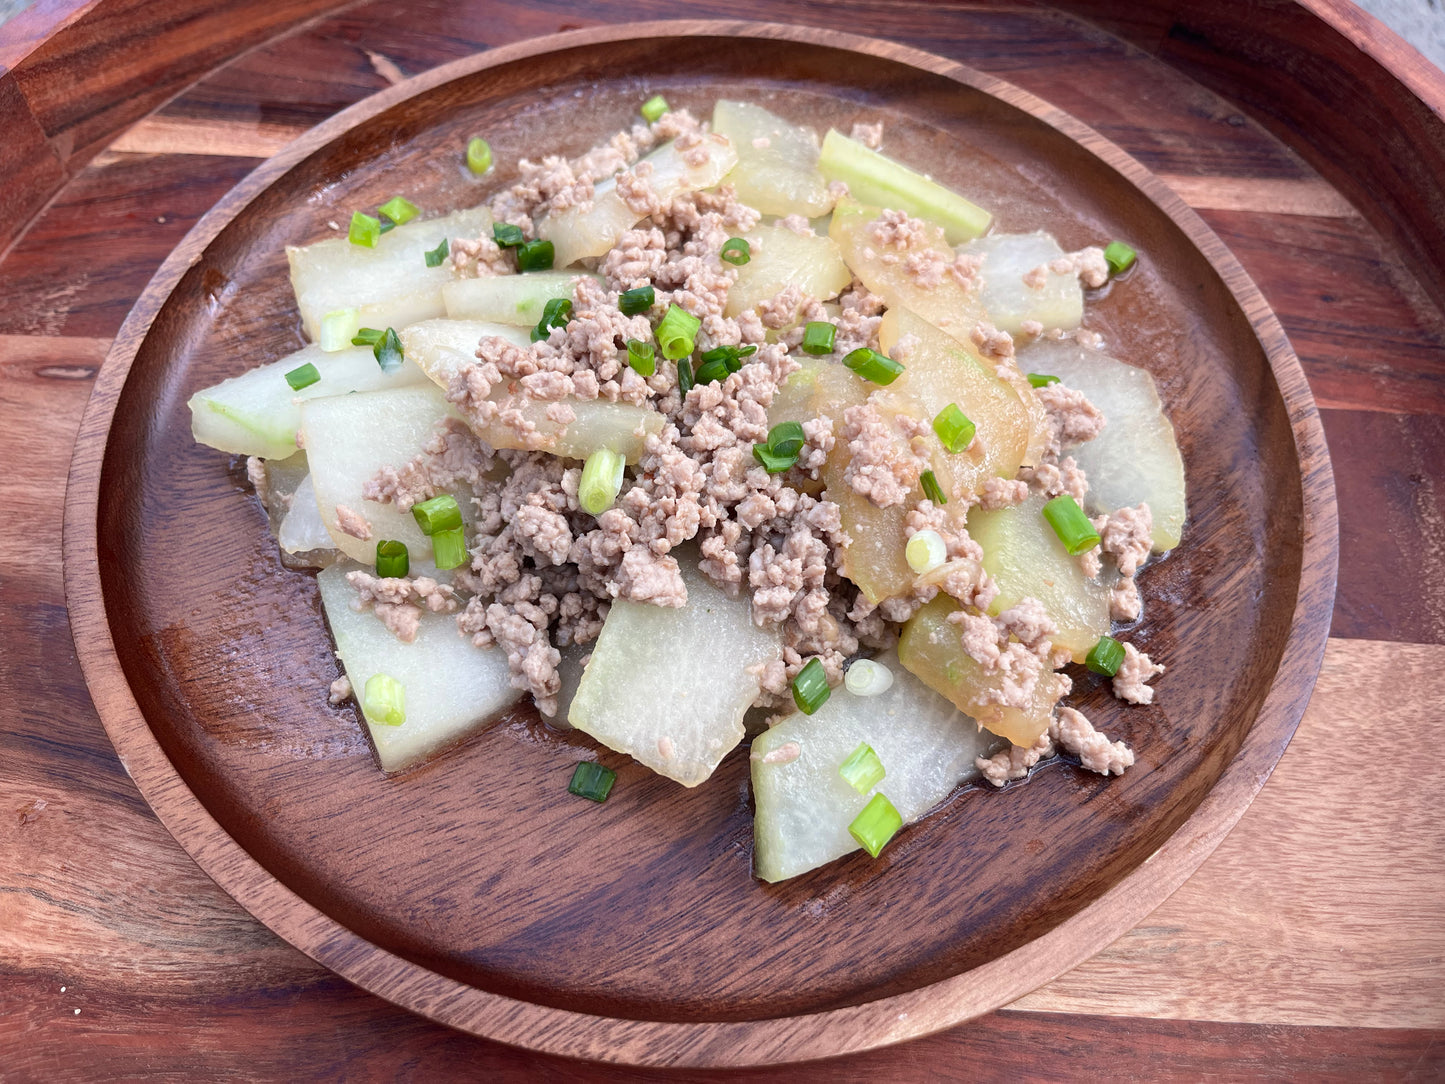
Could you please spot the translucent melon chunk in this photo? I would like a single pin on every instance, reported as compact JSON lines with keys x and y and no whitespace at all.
{"x":804,"y":807}
{"x":877,"y":179}
{"x":777,"y":169}
{"x":669,"y":686}
{"x":1007,"y":258}
{"x":303,"y":531}
{"x":1136,"y":457}
{"x":452,"y":688}
{"x":781,"y":258}
{"x":515,"y":300}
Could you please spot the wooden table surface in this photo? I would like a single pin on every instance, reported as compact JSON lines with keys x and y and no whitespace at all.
{"x":1311,"y":943}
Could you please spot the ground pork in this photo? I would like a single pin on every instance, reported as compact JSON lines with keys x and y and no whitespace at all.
{"x":991,"y":342}
{"x":1073,"y":733}
{"x":1015,"y":761}
{"x":353,"y":523}
{"x":340,"y":690}
{"x":399,"y":602}
{"x":870,"y":135}
{"x":452,"y":455}
{"x":883,"y":465}
{"x":1072,"y":419}
{"x":1134,"y":672}
{"x":1124,"y":603}
{"x":1126,"y":535}
{"x":1053,"y":479}
{"x":1088,"y":263}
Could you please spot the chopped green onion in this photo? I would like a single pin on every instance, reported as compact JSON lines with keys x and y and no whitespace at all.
{"x":601,"y":481}
{"x":876,"y":825}
{"x":925,"y":551}
{"x":771,"y":461}
{"x":384,"y":700}
{"x":730,"y":356}
{"x":685,"y":381}
{"x":867,"y":678}
{"x":449,"y":548}
{"x":535,"y":255}
{"x":436,"y":256}
{"x":479,"y":155}
{"x":507,"y":235}
{"x":954,"y":428}
{"x":392,"y":560}
{"x":677,"y":332}
{"x":786,"y":438}
{"x":637,"y":300}
{"x":818,"y":337}
{"x":736,"y":251}
{"x":871,"y":365}
{"x":1071,"y":525}
{"x":642,"y":357}
{"x":1105,"y":657}
{"x":592,"y":780}
{"x":653,"y":108}
{"x":931,"y":489}
{"x":863,"y":770}
{"x":387,"y":225}
{"x":400,"y":210}
{"x":1119,"y":256}
{"x":303,"y":376}
{"x":810,"y":687}
{"x":1041,"y":380}
{"x":554,"y":314}
{"x":387,"y":351}
{"x":337,"y":328}
{"x":367,"y":336}
{"x":441,"y":513}
{"x":364,"y":230}
{"x":711,"y":371}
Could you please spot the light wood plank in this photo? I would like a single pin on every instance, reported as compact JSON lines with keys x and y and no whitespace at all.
{"x":1262,"y":195}
{"x":185,"y":135}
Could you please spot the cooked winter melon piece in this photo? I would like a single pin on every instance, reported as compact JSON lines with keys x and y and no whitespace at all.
{"x":781,"y":258}
{"x":818,"y":387}
{"x":258,"y":412}
{"x":669,"y":686}
{"x":390,"y":285}
{"x":590,"y":230}
{"x":569,"y":669}
{"x":1007,"y":257}
{"x":931,"y":647}
{"x":777,"y":169}
{"x":302,"y":529}
{"x":876,"y":179}
{"x":926,"y":745}
{"x":440,"y":347}
{"x":515,"y":300}
{"x":1136,"y":457}
{"x":1026,"y":559}
{"x":349,"y":438}
{"x":452,"y":688}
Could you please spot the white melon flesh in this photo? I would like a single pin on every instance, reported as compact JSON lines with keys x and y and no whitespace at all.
{"x":389,"y":285}
{"x":777,"y":170}
{"x":569,"y":669}
{"x":303,"y":530}
{"x":440,"y":347}
{"x":1010,"y":301}
{"x":349,"y":438}
{"x":515,"y":300}
{"x":1136,"y":457}
{"x":668,"y":686}
{"x":452,"y":688}
{"x":781,"y":258}
{"x":926,"y":745}
{"x":258,"y":413}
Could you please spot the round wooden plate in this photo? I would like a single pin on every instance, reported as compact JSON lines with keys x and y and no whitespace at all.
{"x":473,"y":890}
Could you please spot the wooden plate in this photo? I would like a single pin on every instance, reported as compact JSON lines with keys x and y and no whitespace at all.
{"x":473,"y":890}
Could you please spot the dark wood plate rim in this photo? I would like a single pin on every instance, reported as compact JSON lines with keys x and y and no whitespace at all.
{"x":758,"y":1042}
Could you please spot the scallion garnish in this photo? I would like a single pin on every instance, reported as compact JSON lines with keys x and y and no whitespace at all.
{"x":637,"y":300}
{"x":818,"y":337}
{"x":383,"y":700}
{"x":554,"y":314}
{"x":785,"y":441}
{"x":810,"y":687}
{"x":1119,"y":256}
{"x":592,"y":780}
{"x":771,"y":462}
{"x":677,"y":332}
{"x":871,"y":365}
{"x":367,"y":336}
{"x":449,"y":548}
{"x":862,"y":769}
{"x":653,"y":108}
{"x":1041,"y":380}
{"x":684,"y":376}
{"x":400,"y":210}
{"x":925,"y":551}
{"x":865,"y":677}
{"x":387,"y":351}
{"x":392,"y":560}
{"x":931,"y":489}
{"x":601,"y":481}
{"x":876,"y":825}
{"x":1105,"y":657}
{"x":507,"y":235}
{"x":1071,"y":525}
{"x":438,"y":255}
{"x":364,"y":229}
{"x":642,"y":357}
{"x":535,"y":256}
{"x":303,"y":376}
{"x":736,"y":251}
{"x":337,"y":328}
{"x":711,"y":371}
{"x":954,"y":428}
{"x":441,"y":513}
{"x":730,"y":356}
{"x":479,"y":155}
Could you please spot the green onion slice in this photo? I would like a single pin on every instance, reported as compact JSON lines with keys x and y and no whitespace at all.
{"x":1105,"y":657}
{"x":818,"y":337}
{"x":1041,"y":380}
{"x":677,"y":333}
{"x":1071,"y":525}
{"x":642,"y":357}
{"x":507,"y":235}
{"x":337,"y":328}
{"x":736,"y":251}
{"x":554,"y":314}
{"x":871,"y":365}
{"x":384,"y":700}
{"x":303,"y":376}
{"x":1120,"y":257}
{"x":810,"y":687}
{"x":925,"y":551}
{"x":392,"y":560}
{"x":592,"y":780}
{"x":364,"y":230}
{"x":771,"y":461}
{"x":438,"y":255}
{"x":711,"y":371}
{"x":367,"y":336}
{"x":400,"y":210}
{"x":653,"y":108}
{"x":786,"y":438}
{"x":387,"y":351}
{"x":449,"y":548}
{"x":535,"y":255}
{"x":637,"y":300}
{"x":601,"y":481}
{"x":685,"y":381}
{"x":441,"y":513}
{"x":862,"y":769}
{"x":730,"y":356}
{"x":931,"y":489}
{"x":876,"y":825}
{"x":865,"y":677}
{"x":954,"y":428}
{"x":479,"y":155}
